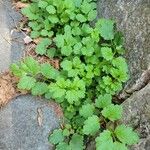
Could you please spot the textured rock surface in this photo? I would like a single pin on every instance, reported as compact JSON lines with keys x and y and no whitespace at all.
{"x":11,"y":40}
{"x":137,"y":114}
{"x":20,"y":128}
{"x":133,"y":19}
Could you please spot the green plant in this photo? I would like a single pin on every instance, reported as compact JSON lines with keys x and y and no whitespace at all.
{"x":92,"y":70}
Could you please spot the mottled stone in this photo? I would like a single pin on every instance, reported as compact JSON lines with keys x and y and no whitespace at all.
{"x":137,"y":115}
{"x":25,"y":124}
{"x":133,"y":19}
{"x":11,"y":39}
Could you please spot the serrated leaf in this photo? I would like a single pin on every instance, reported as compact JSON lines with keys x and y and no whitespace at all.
{"x":85,"y":7}
{"x":72,"y":96}
{"x":91,"y":125}
{"x":126,"y":135}
{"x":42,"y":46}
{"x":56,"y":137}
{"x":112,"y":112}
{"x":59,"y":41}
{"x":81,"y":18}
{"x":120,"y":63}
{"x":32,"y":65}
{"x":87,"y":110}
{"x":107,"y":53}
{"x":77,"y":48}
{"x":76,"y":142}
{"x":42,"y":4}
{"x":53,"y":19}
{"x":51,"y":9}
{"x":92,"y":15}
{"x":104,"y":141}
{"x":119,"y":146}
{"x":63,"y":146}
{"x":15,"y":69}
{"x":66,"y":65}
{"x":26,"y":83}
{"x":103,"y":101}
{"x":39,"y":88}
{"x":49,"y":71}
{"x":66,"y":50}
{"x":106,"y":28}
{"x":35,"y":34}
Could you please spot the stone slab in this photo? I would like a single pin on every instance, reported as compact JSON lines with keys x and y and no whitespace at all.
{"x":21,"y":128}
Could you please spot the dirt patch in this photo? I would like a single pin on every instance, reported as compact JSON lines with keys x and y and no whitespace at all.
{"x":8,"y":88}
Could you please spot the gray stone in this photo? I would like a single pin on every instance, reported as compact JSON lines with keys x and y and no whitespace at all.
{"x":137,"y":115}
{"x":133,"y":19}
{"x":11,"y":39}
{"x":25,"y":124}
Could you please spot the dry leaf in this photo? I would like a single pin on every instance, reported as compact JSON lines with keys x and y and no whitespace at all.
{"x":20,"y":5}
{"x":8,"y":88}
{"x":27,"y":40}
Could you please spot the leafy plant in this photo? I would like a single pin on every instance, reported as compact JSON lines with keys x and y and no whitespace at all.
{"x":92,"y":70}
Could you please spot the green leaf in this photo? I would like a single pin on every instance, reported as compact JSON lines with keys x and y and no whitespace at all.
{"x":87,"y":110}
{"x":42,"y":4}
{"x":72,"y":96}
{"x":26,"y":83}
{"x":66,"y":50}
{"x":32,"y":65}
{"x":66,"y":65}
{"x":91,"y":125}
{"x":85,"y":7}
{"x":107,"y":53}
{"x":51,"y":52}
{"x":59,"y":41}
{"x":77,"y":48}
{"x":104,"y":141}
{"x":92,"y":15}
{"x":56,"y":137}
{"x":119,"y":146}
{"x":106,"y":28}
{"x":63,"y":146}
{"x":81,"y":18}
{"x":112,"y":112}
{"x":126,"y":135}
{"x":120,"y":63}
{"x":51,"y":9}
{"x":15,"y":69}
{"x":39,"y":88}
{"x":103,"y":101}
{"x":49,"y":71}
{"x":35,"y":34}
{"x":42,"y":46}
{"x":76,"y":142}
{"x":53,"y":19}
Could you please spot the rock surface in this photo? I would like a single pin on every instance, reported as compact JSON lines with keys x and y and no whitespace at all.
{"x":133,"y":19}
{"x":137,"y":114}
{"x":25,"y":124}
{"x":11,"y":39}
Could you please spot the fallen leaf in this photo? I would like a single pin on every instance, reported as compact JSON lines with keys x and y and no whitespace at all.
{"x":20,"y":5}
{"x":8,"y":88}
